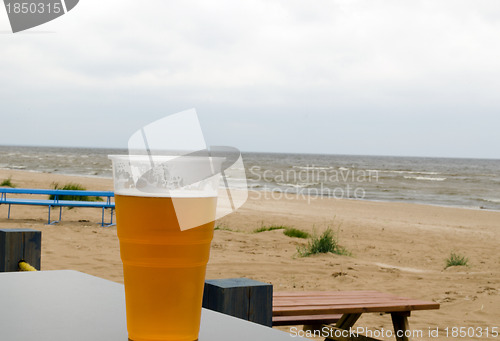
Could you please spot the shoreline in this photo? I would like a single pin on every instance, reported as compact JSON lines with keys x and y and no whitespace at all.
{"x":63,"y":174}
{"x":473,"y":208}
{"x":284,"y":193}
{"x":471,"y":184}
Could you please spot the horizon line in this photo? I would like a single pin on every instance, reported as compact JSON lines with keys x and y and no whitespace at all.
{"x":276,"y":152}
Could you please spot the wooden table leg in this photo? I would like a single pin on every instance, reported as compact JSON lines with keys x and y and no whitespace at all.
{"x":400,"y":323}
{"x":347,"y":321}
{"x":339,"y":332}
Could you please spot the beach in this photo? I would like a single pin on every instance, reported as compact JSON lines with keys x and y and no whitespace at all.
{"x":399,"y":248}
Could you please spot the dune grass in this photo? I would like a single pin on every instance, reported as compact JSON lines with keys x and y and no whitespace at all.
{"x":221,"y":227}
{"x":8,"y":183}
{"x":73,"y":187}
{"x":269,"y":228}
{"x":327,"y":242}
{"x":295,"y":233}
{"x":287,"y":231}
{"x":456,"y":260}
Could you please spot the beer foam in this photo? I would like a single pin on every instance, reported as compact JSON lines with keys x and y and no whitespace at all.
{"x":169,"y":194}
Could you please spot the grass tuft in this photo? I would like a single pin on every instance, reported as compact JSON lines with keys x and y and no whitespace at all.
{"x":73,"y":187}
{"x":287,"y":231}
{"x":295,"y":233}
{"x":8,"y":183}
{"x":222,"y":228}
{"x":269,"y":228}
{"x":456,"y":260}
{"x":325,"y":243}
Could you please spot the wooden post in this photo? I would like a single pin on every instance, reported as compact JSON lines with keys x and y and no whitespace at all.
{"x":19,"y":244}
{"x":240,"y":297}
{"x":400,"y":323}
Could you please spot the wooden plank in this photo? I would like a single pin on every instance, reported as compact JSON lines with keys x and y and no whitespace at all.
{"x":352,"y":301}
{"x":305,"y":319}
{"x":382,"y":306}
{"x":341,"y":308}
{"x":360,"y":295}
{"x":357,"y":308}
{"x":32,"y":251}
{"x":235,"y":302}
{"x":19,"y":244}
{"x":327,"y":293}
{"x":240,"y":297}
{"x":260,"y":308}
{"x":11,"y":250}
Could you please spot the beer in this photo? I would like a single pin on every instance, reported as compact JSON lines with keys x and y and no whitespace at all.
{"x":163,"y":267}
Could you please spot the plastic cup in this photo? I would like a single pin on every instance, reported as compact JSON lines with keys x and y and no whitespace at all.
{"x":165,"y":220}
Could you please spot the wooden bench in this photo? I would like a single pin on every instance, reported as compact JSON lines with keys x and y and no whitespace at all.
{"x":56,"y":201}
{"x":316,"y":309}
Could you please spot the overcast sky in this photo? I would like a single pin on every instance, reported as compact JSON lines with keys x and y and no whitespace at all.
{"x":416,"y":78}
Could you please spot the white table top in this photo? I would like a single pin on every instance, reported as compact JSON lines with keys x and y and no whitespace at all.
{"x":67,"y":305}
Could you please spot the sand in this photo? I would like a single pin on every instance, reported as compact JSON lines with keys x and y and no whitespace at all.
{"x":396,"y":247}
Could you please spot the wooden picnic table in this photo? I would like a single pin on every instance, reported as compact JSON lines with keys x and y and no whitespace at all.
{"x":314,"y":309}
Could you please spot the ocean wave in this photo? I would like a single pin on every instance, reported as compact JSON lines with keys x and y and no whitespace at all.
{"x":298,"y":185}
{"x":493,"y":200}
{"x":425,"y":178}
{"x":254,"y":185}
{"x":402,"y":172}
{"x":312,"y":167}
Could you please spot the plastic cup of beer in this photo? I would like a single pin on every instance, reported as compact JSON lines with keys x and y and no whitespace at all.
{"x":165,"y":211}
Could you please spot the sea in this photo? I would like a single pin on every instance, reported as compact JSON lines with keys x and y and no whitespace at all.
{"x":457,"y":182}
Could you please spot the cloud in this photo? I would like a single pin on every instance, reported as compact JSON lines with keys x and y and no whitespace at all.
{"x":279,"y":43}
{"x":322,"y":58}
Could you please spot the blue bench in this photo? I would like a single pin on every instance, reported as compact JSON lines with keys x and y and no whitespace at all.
{"x":56,"y":202}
